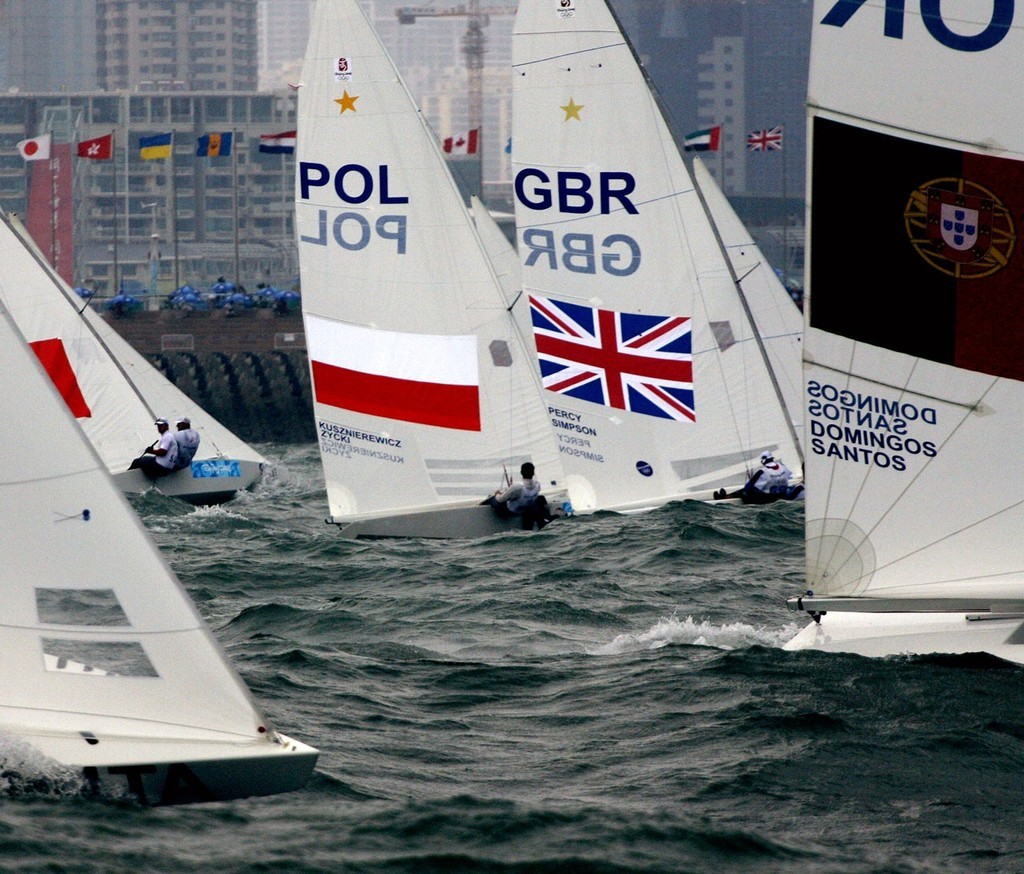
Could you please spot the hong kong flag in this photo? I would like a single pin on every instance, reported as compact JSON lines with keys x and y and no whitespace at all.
{"x":99,"y":149}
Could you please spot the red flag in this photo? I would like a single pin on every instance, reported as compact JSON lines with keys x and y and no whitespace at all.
{"x":99,"y":149}
{"x":54,"y":358}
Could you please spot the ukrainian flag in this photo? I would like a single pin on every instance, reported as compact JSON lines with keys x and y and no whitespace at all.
{"x":158,"y":146}
{"x":214,"y":145}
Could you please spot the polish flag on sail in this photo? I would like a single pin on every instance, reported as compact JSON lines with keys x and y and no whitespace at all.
{"x":54,"y":358}
{"x":430,"y":379}
{"x":463,"y":144}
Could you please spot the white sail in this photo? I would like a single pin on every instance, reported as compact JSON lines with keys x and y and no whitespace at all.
{"x":115,"y":392}
{"x":656,"y":382}
{"x":913,"y":363}
{"x":778,"y":321}
{"x":424,"y":395}
{"x":107,"y":666}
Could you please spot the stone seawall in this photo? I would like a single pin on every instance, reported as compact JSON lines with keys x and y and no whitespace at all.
{"x":248,"y":370}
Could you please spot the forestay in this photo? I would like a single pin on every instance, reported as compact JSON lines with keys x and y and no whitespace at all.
{"x":657,"y":386}
{"x":424,"y":395}
{"x":107,"y":666}
{"x":913,"y":363}
{"x":115,"y":393}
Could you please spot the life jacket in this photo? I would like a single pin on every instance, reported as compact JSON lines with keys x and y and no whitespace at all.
{"x":774,"y":479}
{"x":526,"y":497}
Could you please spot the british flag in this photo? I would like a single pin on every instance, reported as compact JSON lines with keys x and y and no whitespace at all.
{"x":765,"y":140}
{"x":629,"y":361}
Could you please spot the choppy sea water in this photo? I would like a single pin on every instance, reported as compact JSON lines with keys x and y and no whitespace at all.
{"x":609,"y":695}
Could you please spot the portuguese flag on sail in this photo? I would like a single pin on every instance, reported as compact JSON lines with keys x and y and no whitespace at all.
{"x":916,"y":248}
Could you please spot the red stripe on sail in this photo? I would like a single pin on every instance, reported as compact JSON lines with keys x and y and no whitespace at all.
{"x":55,"y":361}
{"x":428,"y":403}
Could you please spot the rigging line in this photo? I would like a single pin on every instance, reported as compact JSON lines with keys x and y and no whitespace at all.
{"x":788,"y":416}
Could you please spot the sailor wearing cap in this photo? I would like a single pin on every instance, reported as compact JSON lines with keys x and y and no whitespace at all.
{"x":187,"y":439}
{"x":159,"y":458}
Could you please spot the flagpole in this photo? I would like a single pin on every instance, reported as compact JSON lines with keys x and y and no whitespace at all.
{"x":53,"y":209}
{"x":174,"y":206}
{"x":113,"y":166}
{"x":785,"y":222}
{"x":234,"y":200}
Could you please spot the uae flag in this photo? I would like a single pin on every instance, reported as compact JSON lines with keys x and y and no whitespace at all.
{"x":706,"y":140}
{"x":919,"y":253}
{"x":425,"y":378}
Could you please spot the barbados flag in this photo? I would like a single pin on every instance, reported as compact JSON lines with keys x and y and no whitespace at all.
{"x":158,"y":146}
{"x":214,"y":145}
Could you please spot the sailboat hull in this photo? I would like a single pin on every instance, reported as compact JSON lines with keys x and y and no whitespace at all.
{"x":176,"y":772}
{"x":447,"y":523}
{"x":210,"y":481}
{"x":893,"y":634}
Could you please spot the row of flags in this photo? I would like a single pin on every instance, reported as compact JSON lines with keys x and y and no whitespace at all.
{"x":214,"y":145}
{"x":709,"y":140}
{"x":158,"y":146}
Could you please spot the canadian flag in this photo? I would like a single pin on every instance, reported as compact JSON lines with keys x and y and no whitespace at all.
{"x":35,"y":149}
{"x":463,"y":144}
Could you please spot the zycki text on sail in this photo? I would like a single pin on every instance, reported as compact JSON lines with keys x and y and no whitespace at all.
{"x":897,"y":14}
{"x":868,"y":429}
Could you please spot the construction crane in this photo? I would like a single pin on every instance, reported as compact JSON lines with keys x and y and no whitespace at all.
{"x":473,"y":44}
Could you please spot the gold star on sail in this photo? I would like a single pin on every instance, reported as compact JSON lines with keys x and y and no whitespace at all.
{"x":572,"y":110}
{"x":346,"y":101}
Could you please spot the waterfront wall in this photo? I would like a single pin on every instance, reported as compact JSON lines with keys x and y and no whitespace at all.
{"x":248,"y":370}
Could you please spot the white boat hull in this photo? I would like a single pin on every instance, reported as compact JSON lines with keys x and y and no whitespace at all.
{"x":894,"y":634}
{"x":449,"y":523}
{"x":179,"y":772}
{"x":210,"y":481}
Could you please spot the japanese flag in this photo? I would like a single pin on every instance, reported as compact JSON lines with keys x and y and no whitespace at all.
{"x":35,"y":149}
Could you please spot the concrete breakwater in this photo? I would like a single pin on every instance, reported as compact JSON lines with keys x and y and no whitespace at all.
{"x":248,"y":370}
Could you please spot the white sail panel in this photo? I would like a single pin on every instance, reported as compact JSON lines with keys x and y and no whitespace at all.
{"x":608,"y":218}
{"x":388,"y":248}
{"x":915,"y":70}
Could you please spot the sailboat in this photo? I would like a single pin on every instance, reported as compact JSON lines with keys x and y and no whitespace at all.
{"x":653,"y":368}
{"x":115,"y":393}
{"x":779,"y":322}
{"x":425,"y":397}
{"x":913,"y":365}
{"x":108,"y":669}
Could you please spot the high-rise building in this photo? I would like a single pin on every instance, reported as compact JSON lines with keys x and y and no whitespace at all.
{"x":182,"y":45}
{"x":47,"y":45}
{"x":283,"y":28}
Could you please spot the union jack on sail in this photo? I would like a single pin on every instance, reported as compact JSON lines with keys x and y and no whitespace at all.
{"x":630,"y":361}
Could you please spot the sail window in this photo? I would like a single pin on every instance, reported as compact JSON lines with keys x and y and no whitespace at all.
{"x":501,"y":355}
{"x":97,"y":657}
{"x":723,"y":334}
{"x":95,"y":607}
